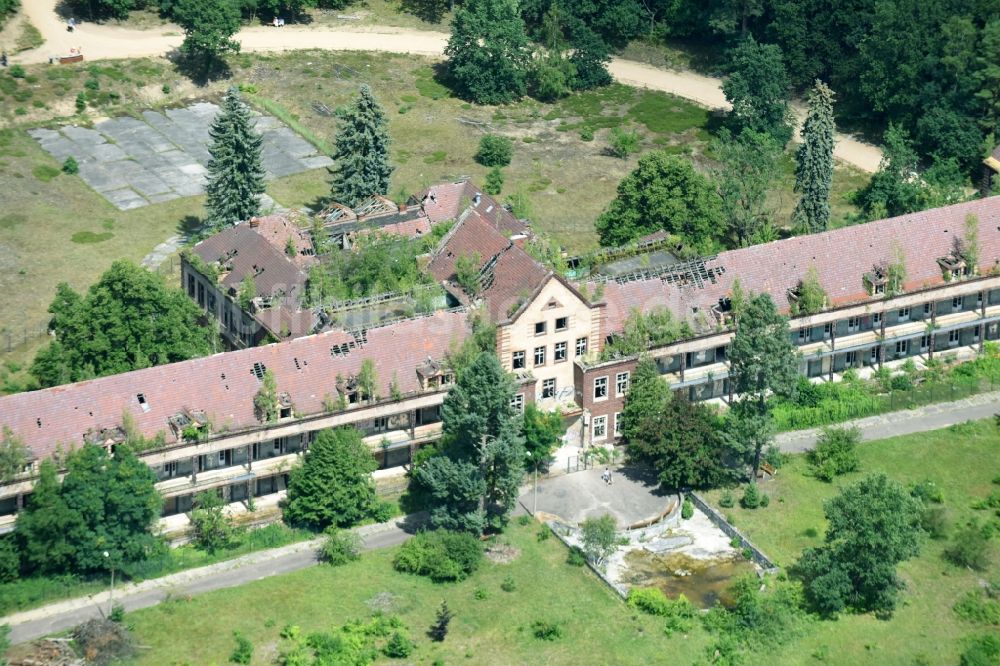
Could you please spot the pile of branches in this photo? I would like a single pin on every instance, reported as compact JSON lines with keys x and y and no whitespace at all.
{"x":102,"y":641}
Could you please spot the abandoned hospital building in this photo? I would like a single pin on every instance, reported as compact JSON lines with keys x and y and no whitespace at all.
{"x":551,"y":334}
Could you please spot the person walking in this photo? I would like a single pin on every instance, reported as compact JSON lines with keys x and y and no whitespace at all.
{"x":606,"y":477}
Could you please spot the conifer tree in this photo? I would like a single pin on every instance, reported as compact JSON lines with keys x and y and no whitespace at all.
{"x":235,"y":173}
{"x":362,"y":152}
{"x":814,"y":162}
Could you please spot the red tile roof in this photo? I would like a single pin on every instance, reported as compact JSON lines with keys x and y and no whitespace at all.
{"x":841,"y":258}
{"x":511,"y":281}
{"x":447,"y":201}
{"x":224,"y":385}
{"x":250,"y":253}
{"x":472,"y":235}
{"x":277,"y":229}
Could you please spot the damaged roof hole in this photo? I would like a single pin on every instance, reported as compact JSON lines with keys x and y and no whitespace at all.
{"x":142,"y":401}
{"x":258,"y":370}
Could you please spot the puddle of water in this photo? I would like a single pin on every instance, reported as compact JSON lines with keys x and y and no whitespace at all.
{"x":707,"y":583}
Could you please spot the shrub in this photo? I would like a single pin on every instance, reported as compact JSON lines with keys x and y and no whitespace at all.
{"x":934,"y":521}
{"x":524,"y":521}
{"x":10,"y":561}
{"x":835,"y":453}
{"x":927,"y":492}
{"x":544,"y":533}
{"x":687,"y":509}
{"x":340,"y":547}
{"x":727,"y":501}
{"x":243,"y":652}
{"x":495,"y":151}
{"x":546,"y":631}
{"x":398,"y":647}
{"x":70,"y":166}
{"x":970,"y":547}
{"x":587,"y":135}
{"x":765,"y":500}
{"x":982,"y":650}
{"x":751,"y":497}
{"x":977,"y":607}
{"x":17,"y":71}
{"x":81,"y":103}
{"x":650,"y":600}
{"x":166,"y":89}
{"x":508,"y":584}
{"x":440,"y":555}
{"x":576,"y":557}
{"x":117,"y":613}
{"x":622,"y":143}
{"x":480,"y":594}
{"x":494,"y":181}
{"x":92,"y":85}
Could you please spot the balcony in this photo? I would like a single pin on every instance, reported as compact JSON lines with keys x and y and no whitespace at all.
{"x":698,"y":374}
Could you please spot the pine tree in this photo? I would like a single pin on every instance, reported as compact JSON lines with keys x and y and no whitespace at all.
{"x":439,"y":629}
{"x":814,"y":162}
{"x":362,"y":152}
{"x":235,"y":173}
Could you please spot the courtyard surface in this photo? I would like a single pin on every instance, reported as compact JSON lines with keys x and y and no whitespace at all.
{"x":633,"y":495}
{"x":134,"y":163}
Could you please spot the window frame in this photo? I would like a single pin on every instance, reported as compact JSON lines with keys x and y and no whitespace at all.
{"x":556,"y":358}
{"x":540,"y":352}
{"x":581,"y":346}
{"x":518,"y":355}
{"x":549,"y":388}
{"x":601,"y":382}
{"x":603,"y":421}
{"x":517,"y":402}
{"x":540,"y":327}
{"x":623,"y":380}
{"x":565,"y":323}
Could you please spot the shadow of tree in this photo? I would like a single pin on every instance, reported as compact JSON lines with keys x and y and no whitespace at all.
{"x":431,"y":11}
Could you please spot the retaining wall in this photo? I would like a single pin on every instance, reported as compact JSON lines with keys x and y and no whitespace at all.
{"x":720,"y":521}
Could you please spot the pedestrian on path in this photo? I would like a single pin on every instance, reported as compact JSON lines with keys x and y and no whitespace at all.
{"x":606,"y":476}
{"x":609,"y":478}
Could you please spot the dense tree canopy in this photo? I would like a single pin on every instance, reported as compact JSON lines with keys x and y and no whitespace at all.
{"x":873,"y":525}
{"x":748,"y":166}
{"x":663,"y":192}
{"x":104,"y":504}
{"x":235,"y":171}
{"x":488,"y":54}
{"x":814,"y":162}
{"x":758,"y":88}
{"x":128,"y":320}
{"x":362,"y":151}
{"x":208,"y":31}
{"x":333,"y":486}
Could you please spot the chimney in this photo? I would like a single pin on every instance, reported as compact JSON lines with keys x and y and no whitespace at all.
{"x":477,"y":198}
{"x":254,"y":222}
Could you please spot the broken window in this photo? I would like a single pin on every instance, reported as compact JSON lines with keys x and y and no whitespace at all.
{"x":258,"y":370}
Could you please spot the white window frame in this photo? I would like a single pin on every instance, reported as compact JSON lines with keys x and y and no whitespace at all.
{"x":565,"y":325}
{"x":600,"y":388}
{"x":548,"y":388}
{"x":803,"y":334}
{"x":876,"y":319}
{"x":853,"y":324}
{"x":957,"y":302}
{"x":617,"y":428}
{"x":927,"y":308}
{"x":222,"y":457}
{"x":903,"y":314}
{"x":925,"y":342}
{"x":380,"y":423}
{"x":581,"y":346}
{"x":518,"y":403}
{"x":599,"y":428}
{"x":539,"y":352}
{"x":954,"y":337}
{"x":518,"y":356}
{"x":622,"y":382}
{"x":879,"y":289}
{"x":902,"y":347}
{"x":556,"y":357}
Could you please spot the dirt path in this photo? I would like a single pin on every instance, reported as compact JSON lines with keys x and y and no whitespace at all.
{"x":112,"y":42}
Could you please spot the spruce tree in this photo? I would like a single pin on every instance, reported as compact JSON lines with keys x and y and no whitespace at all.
{"x":235,"y":173}
{"x":814,"y":162}
{"x":362,"y":152}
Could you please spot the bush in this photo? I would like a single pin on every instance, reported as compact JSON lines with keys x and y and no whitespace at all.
{"x":835,"y":453}
{"x":576,"y":557}
{"x":586,"y":135}
{"x":751,"y":497}
{"x":81,"y":103}
{"x":17,"y":71}
{"x":687,"y":509}
{"x":977,"y":607}
{"x":544,"y":533}
{"x":970,"y":547}
{"x":546,"y":631}
{"x":398,"y":647}
{"x":440,"y":555}
{"x":650,"y":600}
{"x":495,"y":151}
{"x":340,"y":547}
{"x":10,"y":560}
{"x":508,"y":584}
{"x":934,"y":521}
{"x":765,"y":500}
{"x":70,"y":166}
{"x":927,"y":492}
{"x":243,"y":652}
{"x":117,"y":613}
{"x":983,"y":650}
{"x":165,"y":89}
{"x":494,"y":181}
{"x":727,"y":501}
{"x":622,"y":143}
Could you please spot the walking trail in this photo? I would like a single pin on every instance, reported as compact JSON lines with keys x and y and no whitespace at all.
{"x":113,"y":42}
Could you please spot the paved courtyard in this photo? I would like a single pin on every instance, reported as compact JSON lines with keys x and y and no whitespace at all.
{"x":134,"y":163}
{"x":633,"y":495}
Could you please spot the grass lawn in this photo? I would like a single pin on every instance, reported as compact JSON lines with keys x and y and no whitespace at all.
{"x":598,"y":628}
{"x":962,"y":461}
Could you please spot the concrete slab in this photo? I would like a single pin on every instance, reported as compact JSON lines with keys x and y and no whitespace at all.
{"x":162,"y":155}
{"x":633,"y":495}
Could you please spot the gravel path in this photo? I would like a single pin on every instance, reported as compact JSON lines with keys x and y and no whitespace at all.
{"x":104,"y":41}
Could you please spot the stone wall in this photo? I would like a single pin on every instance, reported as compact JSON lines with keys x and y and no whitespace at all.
{"x":720,"y":521}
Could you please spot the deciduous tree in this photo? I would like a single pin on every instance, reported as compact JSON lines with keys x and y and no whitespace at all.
{"x":749,"y":164}
{"x":663,"y":192}
{"x":599,"y":538}
{"x":762,"y":362}
{"x":235,"y":172}
{"x":13,"y":455}
{"x":488,"y":53}
{"x":208,"y":30}
{"x":814,"y":162}
{"x":42,"y":526}
{"x":212,"y":529}
{"x":757,"y":87}
{"x":333,"y":485}
{"x":128,"y":320}
{"x":362,"y":151}
{"x":873,"y":525}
